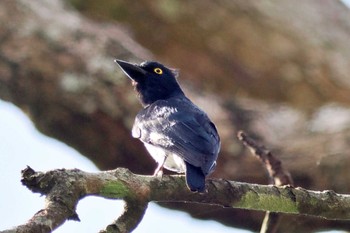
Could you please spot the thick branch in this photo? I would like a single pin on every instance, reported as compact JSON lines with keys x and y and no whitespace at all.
{"x":64,"y":188}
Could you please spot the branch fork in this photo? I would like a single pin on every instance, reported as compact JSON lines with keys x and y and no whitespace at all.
{"x":64,"y":188}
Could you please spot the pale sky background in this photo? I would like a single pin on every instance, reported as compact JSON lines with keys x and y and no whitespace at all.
{"x":21,"y":145}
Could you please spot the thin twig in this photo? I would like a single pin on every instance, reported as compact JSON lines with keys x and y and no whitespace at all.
{"x":274,"y":167}
{"x":277,"y":174}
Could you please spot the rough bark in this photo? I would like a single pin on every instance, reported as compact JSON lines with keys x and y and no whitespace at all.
{"x":58,"y":67}
{"x":64,"y":188}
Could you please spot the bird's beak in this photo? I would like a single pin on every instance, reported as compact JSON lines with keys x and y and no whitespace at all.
{"x":133,"y":71}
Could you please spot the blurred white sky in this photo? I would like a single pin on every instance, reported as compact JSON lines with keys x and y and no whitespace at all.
{"x":347,"y":2}
{"x":21,"y":145}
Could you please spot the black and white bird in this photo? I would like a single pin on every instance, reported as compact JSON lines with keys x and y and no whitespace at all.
{"x":177,"y":133}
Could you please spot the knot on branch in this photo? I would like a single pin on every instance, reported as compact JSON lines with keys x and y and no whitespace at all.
{"x":37,"y":182}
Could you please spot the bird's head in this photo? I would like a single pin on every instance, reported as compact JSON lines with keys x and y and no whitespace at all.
{"x":152,"y":80}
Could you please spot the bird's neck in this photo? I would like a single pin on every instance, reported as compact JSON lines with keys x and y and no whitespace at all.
{"x":148,"y":100}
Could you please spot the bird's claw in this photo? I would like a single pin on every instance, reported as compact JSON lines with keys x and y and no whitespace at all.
{"x":158,"y":172}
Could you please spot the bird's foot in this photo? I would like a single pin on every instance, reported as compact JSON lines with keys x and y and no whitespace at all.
{"x":158,"y":172}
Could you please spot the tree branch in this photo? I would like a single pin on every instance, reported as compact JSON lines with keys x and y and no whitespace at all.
{"x":64,"y":188}
{"x":277,"y":174}
{"x":134,"y":210}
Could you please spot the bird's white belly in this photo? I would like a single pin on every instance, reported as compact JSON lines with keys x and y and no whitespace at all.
{"x":173,"y":162}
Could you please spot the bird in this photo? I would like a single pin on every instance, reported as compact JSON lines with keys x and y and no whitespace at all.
{"x":177,"y":133}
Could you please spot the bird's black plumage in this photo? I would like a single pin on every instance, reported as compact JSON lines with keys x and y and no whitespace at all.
{"x":178,"y":134}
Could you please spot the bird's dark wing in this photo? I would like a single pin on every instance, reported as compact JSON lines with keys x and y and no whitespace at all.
{"x":180,"y":127}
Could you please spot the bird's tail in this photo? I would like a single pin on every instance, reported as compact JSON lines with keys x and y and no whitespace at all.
{"x":195,"y":178}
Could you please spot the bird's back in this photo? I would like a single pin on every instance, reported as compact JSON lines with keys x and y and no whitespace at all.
{"x":178,"y":126}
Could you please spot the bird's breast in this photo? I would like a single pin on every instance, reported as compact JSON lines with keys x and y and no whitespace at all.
{"x":172,"y":161}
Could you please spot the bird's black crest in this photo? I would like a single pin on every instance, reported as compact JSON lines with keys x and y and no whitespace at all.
{"x":152,"y":80}
{"x":152,"y":65}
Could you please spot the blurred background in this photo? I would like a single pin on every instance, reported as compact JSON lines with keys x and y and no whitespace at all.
{"x":276,"y":69}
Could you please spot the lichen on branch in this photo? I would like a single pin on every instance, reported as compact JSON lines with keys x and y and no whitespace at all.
{"x":64,"y":188}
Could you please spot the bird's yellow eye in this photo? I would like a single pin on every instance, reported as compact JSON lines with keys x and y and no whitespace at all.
{"x":158,"y":71}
